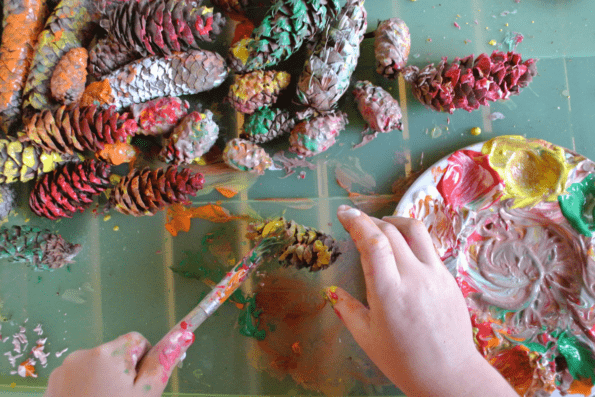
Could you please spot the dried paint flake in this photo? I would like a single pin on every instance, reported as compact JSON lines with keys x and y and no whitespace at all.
{"x":457,"y":26}
{"x":289,"y":164}
{"x":496,"y":116}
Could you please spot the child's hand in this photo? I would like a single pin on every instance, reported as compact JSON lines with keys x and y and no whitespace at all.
{"x":417,"y":328}
{"x":108,"y":370}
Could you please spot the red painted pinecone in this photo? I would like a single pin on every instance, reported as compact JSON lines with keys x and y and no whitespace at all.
{"x":88,"y":128}
{"x":68,"y":189}
{"x":144,"y":192}
{"x":466,"y":83}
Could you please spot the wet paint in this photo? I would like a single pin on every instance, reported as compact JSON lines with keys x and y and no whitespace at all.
{"x":174,"y":348}
{"x":578,"y":206}
{"x":330,"y":294}
{"x":179,"y":216}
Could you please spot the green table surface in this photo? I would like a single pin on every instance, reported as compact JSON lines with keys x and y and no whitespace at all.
{"x":121,"y":281}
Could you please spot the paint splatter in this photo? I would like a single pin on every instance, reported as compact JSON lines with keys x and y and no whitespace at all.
{"x":179,"y":216}
{"x":289,"y":163}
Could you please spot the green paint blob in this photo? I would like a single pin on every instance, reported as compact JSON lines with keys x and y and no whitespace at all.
{"x":580,"y":360}
{"x":249,"y":320}
{"x":257,"y":123}
{"x":578,"y":206}
{"x":146,"y":388}
{"x":309,"y":143}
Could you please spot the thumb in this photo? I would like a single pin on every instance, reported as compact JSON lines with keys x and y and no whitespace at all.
{"x":352,"y":312}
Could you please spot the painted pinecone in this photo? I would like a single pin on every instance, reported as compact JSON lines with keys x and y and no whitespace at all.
{"x":159,"y":116}
{"x":69,"y":188}
{"x":317,"y":133}
{"x":266,"y":124}
{"x":467,"y":83}
{"x":23,"y":161}
{"x":236,"y":6}
{"x":194,"y":136}
{"x":40,"y":248}
{"x":7,"y":200}
{"x":380,"y":110}
{"x":282,"y":32}
{"x":70,"y":76}
{"x":145,"y":192}
{"x":161,"y":27}
{"x":327,"y":72}
{"x":256,"y":89}
{"x":106,"y":56}
{"x":179,"y":74}
{"x":68,"y":129}
{"x":308,"y":247}
{"x":392,"y":43}
{"x":246,"y":156}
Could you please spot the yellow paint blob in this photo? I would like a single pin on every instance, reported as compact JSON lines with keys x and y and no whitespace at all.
{"x":475,"y":131}
{"x":107,"y":218}
{"x":116,"y":228}
{"x":240,"y":50}
{"x":532,"y":170}
{"x":492,"y":42}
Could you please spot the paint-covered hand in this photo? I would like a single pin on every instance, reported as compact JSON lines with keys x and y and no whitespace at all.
{"x":417,"y":328}
{"x":112,"y":369}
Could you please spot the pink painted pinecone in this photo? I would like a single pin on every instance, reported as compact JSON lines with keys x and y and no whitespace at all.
{"x":466,"y":83}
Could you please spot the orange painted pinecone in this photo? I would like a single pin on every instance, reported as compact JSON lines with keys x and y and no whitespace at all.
{"x":88,"y":128}
{"x":69,"y":188}
{"x":145,"y":192}
{"x":69,"y":77}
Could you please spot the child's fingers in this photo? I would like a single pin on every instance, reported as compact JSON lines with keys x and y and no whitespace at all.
{"x":417,"y":236}
{"x":352,"y":312}
{"x":377,"y":257}
{"x":398,"y":243}
{"x":127,"y":350}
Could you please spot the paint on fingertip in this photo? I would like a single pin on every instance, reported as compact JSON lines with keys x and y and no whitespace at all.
{"x":330,"y":294}
{"x":350,"y":213}
{"x":337,"y":313}
{"x":147,"y":388}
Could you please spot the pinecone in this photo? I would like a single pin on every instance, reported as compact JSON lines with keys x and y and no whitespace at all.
{"x":22,"y":23}
{"x":191,"y":139}
{"x":65,"y":130}
{"x":106,"y":56}
{"x":159,"y":116}
{"x":316,"y":134}
{"x":246,"y":156}
{"x":309,"y":247}
{"x":235,"y":6}
{"x":41,"y":248}
{"x":467,"y":84}
{"x":161,"y":27}
{"x":392,"y":44}
{"x":144,"y":192}
{"x":326,"y":74}
{"x":69,"y":188}
{"x":266,"y":124}
{"x":256,"y":89}
{"x":282,"y":32}
{"x":70,"y":76}
{"x":380,"y":110}
{"x":23,"y":161}
{"x":7,"y":200}
{"x":179,"y":74}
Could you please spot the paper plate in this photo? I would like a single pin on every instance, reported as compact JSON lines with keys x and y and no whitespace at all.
{"x":512,"y":220}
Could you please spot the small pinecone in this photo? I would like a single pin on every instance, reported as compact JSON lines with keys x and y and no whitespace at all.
{"x":266,"y":124}
{"x":41,"y":248}
{"x":23,"y":161}
{"x":183,"y":73}
{"x":7,"y":200}
{"x":70,"y":76}
{"x":327,"y":72}
{"x":308,"y":248}
{"x":159,"y":116}
{"x":256,"y":89}
{"x":282,"y":32}
{"x":392,"y":44}
{"x":191,"y":138}
{"x":380,"y":110}
{"x":246,"y":156}
{"x":144,"y":192}
{"x":66,"y":130}
{"x":315,"y":135}
{"x":69,"y":189}
{"x":466,"y":83}
{"x":107,"y":56}
{"x":161,"y":27}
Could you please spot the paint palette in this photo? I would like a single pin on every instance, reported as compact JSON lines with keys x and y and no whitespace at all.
{"x":512,"y":219}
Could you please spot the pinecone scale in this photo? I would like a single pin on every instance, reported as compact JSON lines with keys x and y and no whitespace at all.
{"x":267,"y":124}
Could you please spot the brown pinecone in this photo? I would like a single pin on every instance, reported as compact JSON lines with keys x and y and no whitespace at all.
{"x":466,"y":83}
{"x":69,"y":188}
{"x":107,"y":56}
{"x":392,"y":44}
{"x":256,"y":89}
{"x":308,"y":247}
{"x":87,"y":128}
{"x":70,"y":76}
{"x":144,"y":192}
{"x":266,"y":124}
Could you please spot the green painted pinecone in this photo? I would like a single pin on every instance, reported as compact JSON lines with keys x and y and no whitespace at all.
{"x":193,"y":137}
{"x":282,"y":32}
{"x":23,"y":161}
{"x":40,"y":248}
{"x":308,"y":247}
{"x":266,"y":124}
{"x":88,"y":128}
{"x":145,"y":192}
{"x":257,"y":89}
{"x":327,"y":72}
{"x":69,"y":188}
{"x":392,"y":44}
